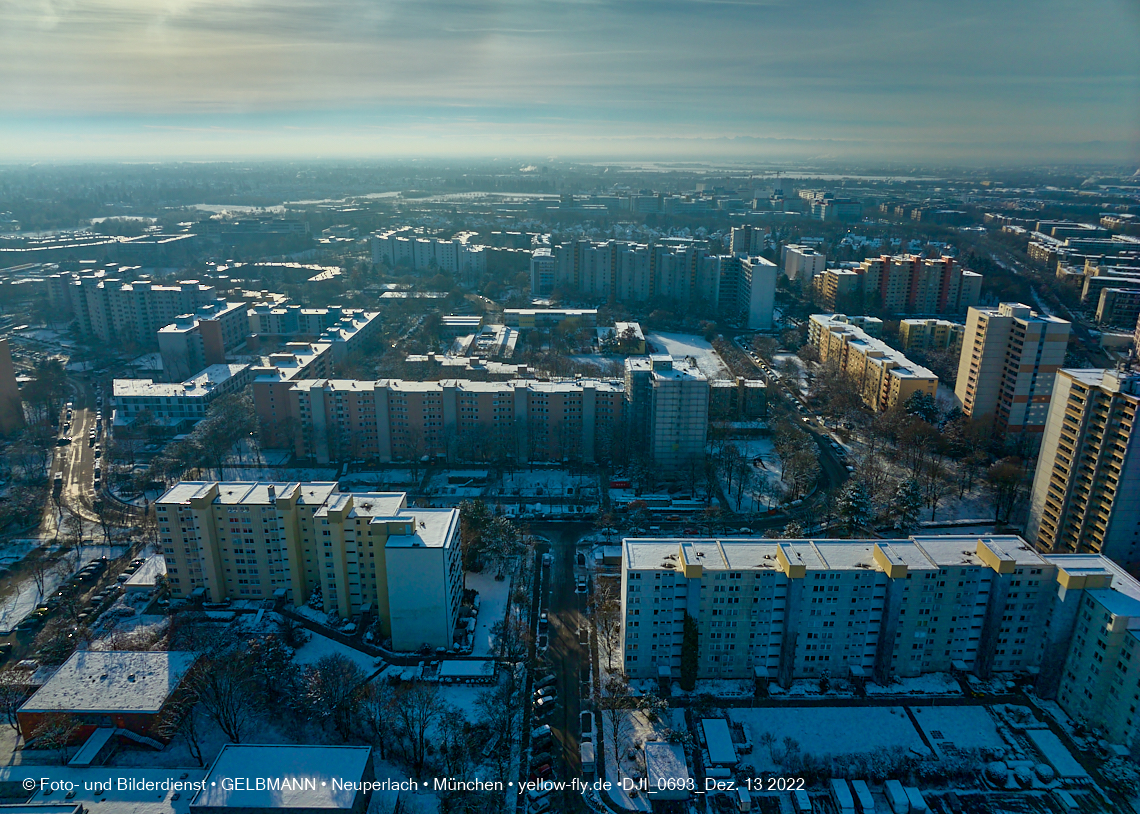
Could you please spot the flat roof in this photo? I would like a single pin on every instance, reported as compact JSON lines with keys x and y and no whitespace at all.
{"x":433,"y":528}
{"x":311,"y":776}
{"x":923,"y":552}
{"x":148,"y":573}
{"x":109,"y":681}
{"x":200,"y":385}
{"x":249,"y":492}
{"x":466,"y":668}
{"x":665,"y":761}
{"x":719,"y":741}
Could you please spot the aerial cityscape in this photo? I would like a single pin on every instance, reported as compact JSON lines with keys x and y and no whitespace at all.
{"x":550,"y":407}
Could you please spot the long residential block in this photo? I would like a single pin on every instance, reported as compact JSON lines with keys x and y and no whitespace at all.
{"x":886,"y":378}
{"x":788,"y":609}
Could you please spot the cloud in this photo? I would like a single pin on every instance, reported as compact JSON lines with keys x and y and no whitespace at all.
{"x":972,"y":73}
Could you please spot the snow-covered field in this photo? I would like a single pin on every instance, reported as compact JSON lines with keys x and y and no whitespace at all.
{"x":681,"y":345}
{"x":279,"y":474}
{"x":493,"y":598}
{"x":827,"y":730}
{"x":962,"y":727}
{"x":765,"y":489}
{"x":320,"y":646}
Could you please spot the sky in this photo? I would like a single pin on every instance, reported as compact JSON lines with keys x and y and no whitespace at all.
{"x":941,"y":82}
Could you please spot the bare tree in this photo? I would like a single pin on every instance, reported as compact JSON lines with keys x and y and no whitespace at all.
{"x":378,"y":713}
{"x":605,"y":605}
{"x":331,"y":690}
{"x":616,"y":704}
{"x":419,"y":708}
{"x":182,"y":718}
{"x":227,"y":693}
{"x":12,"y":697}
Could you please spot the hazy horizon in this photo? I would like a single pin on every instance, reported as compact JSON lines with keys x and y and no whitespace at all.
{"x":968,"y":83}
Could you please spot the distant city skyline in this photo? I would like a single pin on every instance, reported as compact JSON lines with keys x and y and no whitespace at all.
{"x":969,"y":82}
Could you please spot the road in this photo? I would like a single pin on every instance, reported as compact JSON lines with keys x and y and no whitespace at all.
{"x":568,"y":658}
{"x":76,"y":461}
{"x":833,"y":471}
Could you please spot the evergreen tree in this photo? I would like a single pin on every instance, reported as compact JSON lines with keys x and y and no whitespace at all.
{"x":855,"y":506}
{"x":690,"y":654}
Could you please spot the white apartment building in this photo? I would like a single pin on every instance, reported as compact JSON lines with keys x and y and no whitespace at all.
{"x":667,"y":407}
{"x":177,"y":406}
{"x":285,"y":540}
{"x":1010,"y":355}
{"x":736,"y":286}
{"x":454,"y":256}
{"x":1087,"y":483}
{"x":788,"y":609}
{"x":802,"y":264}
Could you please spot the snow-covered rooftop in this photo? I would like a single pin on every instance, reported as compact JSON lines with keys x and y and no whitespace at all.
{"x":919,"y":553}
{"x":112,"y":681}
{"x":432,"y":528}
{"x":304,"y":776}
{"x":248,"y":492}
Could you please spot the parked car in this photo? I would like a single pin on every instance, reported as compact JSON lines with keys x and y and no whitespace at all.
{"x":546,"y":681}
{"x":545,"y":692}
{"x":542,"y":772}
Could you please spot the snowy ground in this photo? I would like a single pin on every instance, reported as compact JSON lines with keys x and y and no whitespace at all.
{"x":380,"y":481}
{"x":493,"y":599}
{"x":636,"y":730}
{"x":765,"y":490}
{"x":548,"y":483}
{"x":961,"y":727}
{"x":973,"y":505}
{"x":277,"y":473}
{"x":681,"y":345}
{"x":926,"y":684}
{"x":826,"y":731}
{"x":26,"y":596}
{"x":320,"y":646}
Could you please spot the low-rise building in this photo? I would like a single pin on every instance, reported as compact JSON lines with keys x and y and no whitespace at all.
{"x":225,"y":540}
{"x":549,"y":317}
{"x":124,"y":690}
{"x":305,"y":779}
{"x":177,"y":406}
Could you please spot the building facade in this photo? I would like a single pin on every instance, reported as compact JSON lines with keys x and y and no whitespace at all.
{"x":923,"y":334}
{"x":901,"y":284}
{"x":177,"y":406}
{"x":1088,"y":471}
{"x":288,"y":540}
{"x":735,"y":286}
{"x":194,"y":340}
{"x":1010,"y":355}
{"x":886,"y":378}
{"x":802,"y":264}
{"x":781,"y":610}
{"x":667,"y":409}
{"x":455,"y":420}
